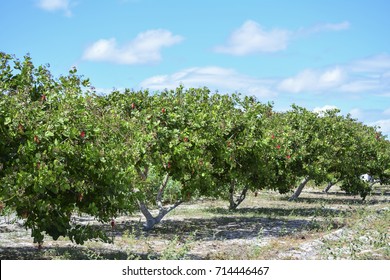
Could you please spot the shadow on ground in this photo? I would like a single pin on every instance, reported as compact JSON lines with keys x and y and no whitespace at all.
{"x":202,"y":229}
{"x":62,"y":252}
{"x":281,"y":212}
{"x":341,"y":199}
{"x":246,"y":223}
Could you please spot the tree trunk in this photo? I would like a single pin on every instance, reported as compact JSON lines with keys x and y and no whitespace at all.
{"x":151,"y":221}
{"x":373,"y":183}
{"x":299,"y":189}
{"x":330,"y":184}
{"x":370,"y":189}
{"x":234,"y":203}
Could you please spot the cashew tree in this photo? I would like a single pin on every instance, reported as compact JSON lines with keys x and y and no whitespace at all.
{"x":61,"y":157}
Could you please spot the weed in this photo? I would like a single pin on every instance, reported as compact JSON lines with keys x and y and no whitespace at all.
{"x":264,"y":227}
{"x":178,"y":250}
{"x":366,"y":238}
{"x":93,"y":255}
{"x":133,"y":240}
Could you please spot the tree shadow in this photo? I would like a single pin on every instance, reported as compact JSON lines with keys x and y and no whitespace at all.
{"x":61,"y":252}
{"x":229,"y":225}
{"x":221,"y":228}
{"x":281,"y":212}
{"x":341,"y":199}
{"x":228,"y":228}
{"x":66,"y":252}
{"x":383,"y":190}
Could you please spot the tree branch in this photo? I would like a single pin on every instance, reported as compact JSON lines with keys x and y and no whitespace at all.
{"x":161,"y":192}
{"x":299,"y":189}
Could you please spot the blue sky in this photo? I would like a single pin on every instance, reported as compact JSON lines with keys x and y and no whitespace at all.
{"x":317,"y":54}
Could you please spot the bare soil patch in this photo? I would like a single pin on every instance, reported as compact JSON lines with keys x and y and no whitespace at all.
{"x":264,"y":227}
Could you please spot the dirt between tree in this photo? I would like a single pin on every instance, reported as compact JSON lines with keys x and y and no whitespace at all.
{"x":210,"y":236}
{"x":206,"y":230}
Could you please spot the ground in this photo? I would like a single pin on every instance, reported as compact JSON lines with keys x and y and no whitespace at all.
{"x":266,"y":226}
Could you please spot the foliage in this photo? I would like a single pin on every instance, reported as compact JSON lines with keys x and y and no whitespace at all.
{"x":66,"y":150}
{"x":58,"y":156}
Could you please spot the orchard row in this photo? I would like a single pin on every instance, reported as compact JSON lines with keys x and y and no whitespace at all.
{"x":64,"y":149}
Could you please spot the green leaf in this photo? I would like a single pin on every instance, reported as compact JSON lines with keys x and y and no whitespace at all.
{"x":49,"y":134}
{"x":7,"y":121}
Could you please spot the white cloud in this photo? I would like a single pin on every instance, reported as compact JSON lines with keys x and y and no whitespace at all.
{"x":360,"y":85}
{"x":375,"y":63}
{"x":252,"y":38}
{"x":369,"y":75}
{"x":384,"y":126}
{"x":324,"y":108}
{"x":55,"y":5}
{"x":324,"y":27}
{"x":145,"y":48}
{"x":357,"y":113}
{"x":217,"y":78}
{"x":262,"y":91}
{"x":340,"y":79}
{"x":334,"y":26}
{"x":387,"y":112}
{"x":313,"y":80}
{"x":303,"y":81}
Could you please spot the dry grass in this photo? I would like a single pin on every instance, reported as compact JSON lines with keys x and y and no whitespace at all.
{"x":317,"y":226}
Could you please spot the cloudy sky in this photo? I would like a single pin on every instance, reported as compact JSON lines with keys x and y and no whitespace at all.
{"x":317,"y":54}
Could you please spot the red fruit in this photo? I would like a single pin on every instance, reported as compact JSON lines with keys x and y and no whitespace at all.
{"x":36,"y":139}
{"x":273,"y":136}
{"x":185,"y":139}
{"x":278,"y":147}
{"x":43,"y":97}
{"x":163,"y":110}
{"x":20,"y":128}
{"x":169,"y":165}
{"x":112,"y":223}
{"x":82,"y":134}
{"x":24,"y":214}
{"x":288,"y":156}
{"x":132,"y":106}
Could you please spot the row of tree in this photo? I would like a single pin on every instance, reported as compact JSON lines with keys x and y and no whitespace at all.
{"x":64,"y":149}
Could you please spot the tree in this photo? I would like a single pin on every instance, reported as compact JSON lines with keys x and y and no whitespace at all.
{"x":177,"y":140}
{"x":367,"y":154}
{"x":62,"y":156}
